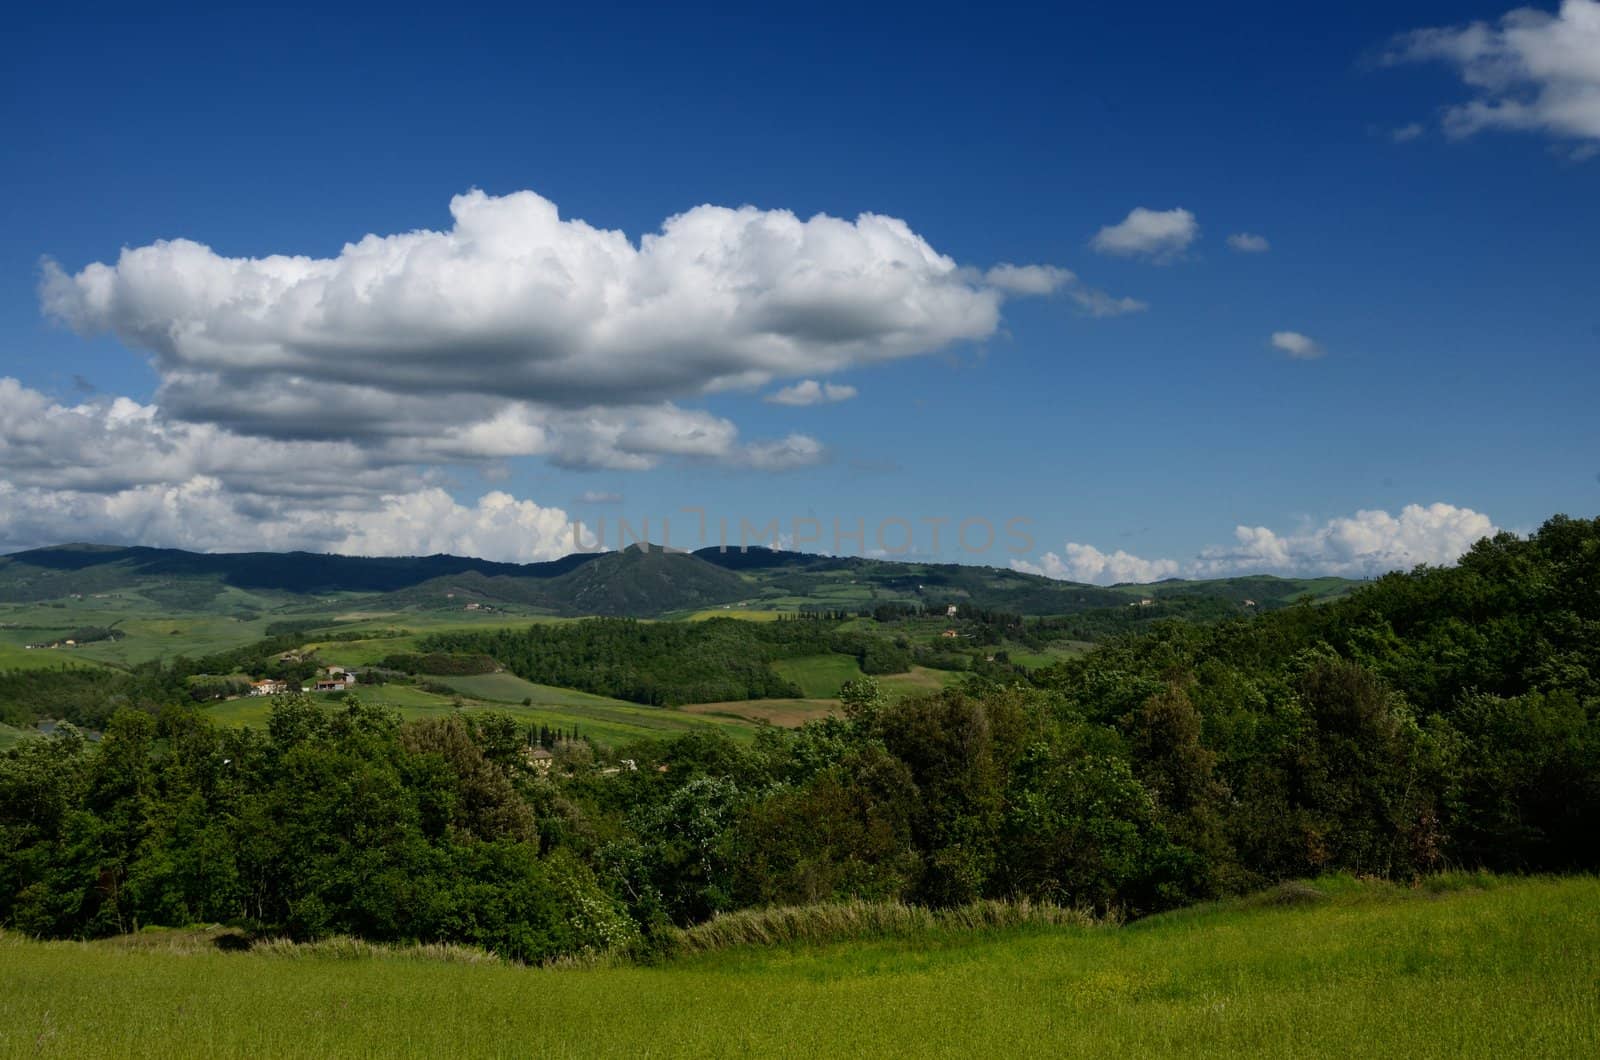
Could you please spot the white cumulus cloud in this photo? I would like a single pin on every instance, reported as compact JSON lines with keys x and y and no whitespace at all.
{"x":114,"y":470}
{"x":1530,"y":71}
{"x":1300,"y":347}
{"x":1157,"y":234}
{"x":515,"y":302}
{"x":498,"y":526}
{"x":1029,"y":279}
{"x":204,"y":515}
{"x":1085,"y":563}
{"x":517,"y":332}
{"x":1047,"y":279}
{"x":1249,"y":243}
{"x":796,"y":450}
{"x":1368,"y":543}
{"x":811,"y":392}
{"x":1099,"y":304}
{"x":105,"y":441}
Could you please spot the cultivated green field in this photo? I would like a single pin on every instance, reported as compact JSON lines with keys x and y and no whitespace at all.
{"x":819,"y":676}
{"x":918,"y":681}
{"x":155,"y":633}
{"x":608,"y":721}
{"x":786,"y":713}
{"x":1450,"y":969}
{"x":506,"y":687}
{"x":1035,"y":660}
{"x":728,"y":612}
{"x":16,"y":657}
{"x":413,"y":626}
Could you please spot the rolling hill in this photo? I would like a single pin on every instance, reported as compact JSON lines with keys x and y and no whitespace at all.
{"x":637,"y":582}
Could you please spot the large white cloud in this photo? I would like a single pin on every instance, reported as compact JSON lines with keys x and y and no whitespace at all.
{"x":109,"y":444}
{"x":1530,"y":71}
{"x":498,"y":526}
{"x":1157,"y":234}
{"x":113,"y":470}
{"x":104,"y":443}
{"x":319,"y":402}
{"x":515,"y":302}
{"x":1364,"y":544}
{"x":519,"y":333}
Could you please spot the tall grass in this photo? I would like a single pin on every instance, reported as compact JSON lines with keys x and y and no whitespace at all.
{"x":851,"y":921}
{"x":345,"y":948}
{"x":217,"y":938}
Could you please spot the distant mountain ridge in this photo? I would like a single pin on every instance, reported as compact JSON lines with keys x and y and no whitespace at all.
{"x":639,"y":581}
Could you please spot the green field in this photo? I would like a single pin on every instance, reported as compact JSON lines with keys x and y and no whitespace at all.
{"x":918,"y":681}
{"x":163,"y":638}
{"x":153,"y":633}
{"x":414,"y":625}
{"x":1035,"y":660}
{"x":819,"y":676}
{"x":16,"y":657}
{"x":729,"y":612}
{"x":506,"y":687}
{"x":9,"y":735}
{"x":1451,"y":969}
{"x":608,"y":721}
{"x":786,"y":713}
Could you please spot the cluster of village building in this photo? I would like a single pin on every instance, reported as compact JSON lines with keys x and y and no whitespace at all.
{"x":329,"y":679}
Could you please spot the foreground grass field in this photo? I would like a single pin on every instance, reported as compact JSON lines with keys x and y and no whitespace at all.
{"x":1350,"y":969}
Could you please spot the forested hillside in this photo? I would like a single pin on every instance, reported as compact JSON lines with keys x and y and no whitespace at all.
{"x":1445,"y":717}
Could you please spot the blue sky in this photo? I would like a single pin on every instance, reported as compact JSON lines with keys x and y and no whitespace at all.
{"x":1443,"y":264}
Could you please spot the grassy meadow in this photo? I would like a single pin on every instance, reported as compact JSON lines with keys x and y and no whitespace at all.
{"x":1458,"y":967}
